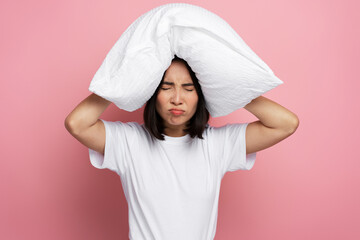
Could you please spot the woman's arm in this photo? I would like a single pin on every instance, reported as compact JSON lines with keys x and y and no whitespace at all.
{"x":86,"y":113}
{"x":275,"y":124}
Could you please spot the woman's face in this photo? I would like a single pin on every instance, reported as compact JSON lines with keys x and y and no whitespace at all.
{"x":176,"y":92}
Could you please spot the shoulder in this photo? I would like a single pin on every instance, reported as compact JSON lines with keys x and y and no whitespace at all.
{"x":227,"y":129}
{"x":118,"y":125}
{"x":124,"y":129}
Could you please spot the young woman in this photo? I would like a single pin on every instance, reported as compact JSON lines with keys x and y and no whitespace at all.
{"x":172,"y":165}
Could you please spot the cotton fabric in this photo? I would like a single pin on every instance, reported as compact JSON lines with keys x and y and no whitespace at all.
{"x":230,"y":73}
{"x":172,"y":187}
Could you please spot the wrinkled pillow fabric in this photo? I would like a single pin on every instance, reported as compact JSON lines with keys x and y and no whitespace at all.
{"x":229,"y":72}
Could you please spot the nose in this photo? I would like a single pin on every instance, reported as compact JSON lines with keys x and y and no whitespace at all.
{"x":176,"y":98}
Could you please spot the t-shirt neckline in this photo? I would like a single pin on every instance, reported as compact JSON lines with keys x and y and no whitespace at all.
{"x":176,"y":140}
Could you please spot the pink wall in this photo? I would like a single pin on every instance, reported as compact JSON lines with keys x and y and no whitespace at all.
{"x":305,"y":187}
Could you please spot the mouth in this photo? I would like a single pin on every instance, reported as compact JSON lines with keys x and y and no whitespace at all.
{"x":176,"y":112}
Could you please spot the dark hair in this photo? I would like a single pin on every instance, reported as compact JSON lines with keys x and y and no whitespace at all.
{"x":195,"y":126}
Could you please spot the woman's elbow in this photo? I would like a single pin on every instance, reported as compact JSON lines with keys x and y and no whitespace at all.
{"x":293,"y":124}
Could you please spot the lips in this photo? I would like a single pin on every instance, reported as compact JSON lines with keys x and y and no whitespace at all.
{"x":176,"y":111}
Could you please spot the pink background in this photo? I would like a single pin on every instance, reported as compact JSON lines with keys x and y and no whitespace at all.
{"x":305,"y":187}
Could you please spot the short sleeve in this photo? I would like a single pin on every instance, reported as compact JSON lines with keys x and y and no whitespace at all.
{"x":116,"y":140}
{"x":232,"y":143}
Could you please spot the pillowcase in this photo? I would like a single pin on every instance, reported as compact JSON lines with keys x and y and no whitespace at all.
{"x":230,"y":74}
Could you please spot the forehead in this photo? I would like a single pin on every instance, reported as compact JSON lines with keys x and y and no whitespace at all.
{"x":183,"y":79}
{"x":177,"y":71}
{"x":177,"y":78}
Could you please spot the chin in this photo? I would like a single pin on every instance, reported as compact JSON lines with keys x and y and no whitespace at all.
{"x":177,"y":123}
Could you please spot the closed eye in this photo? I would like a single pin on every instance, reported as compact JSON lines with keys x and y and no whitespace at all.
{"x":185,"y":89}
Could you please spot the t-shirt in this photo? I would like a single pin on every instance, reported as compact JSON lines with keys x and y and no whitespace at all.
{"x":172,"y":187}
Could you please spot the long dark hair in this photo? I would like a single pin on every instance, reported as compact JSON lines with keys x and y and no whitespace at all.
{"x":195,"y":126}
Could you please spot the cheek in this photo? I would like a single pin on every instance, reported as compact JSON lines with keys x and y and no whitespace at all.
{"x":160,"y":100}
{"x":195,"y":99}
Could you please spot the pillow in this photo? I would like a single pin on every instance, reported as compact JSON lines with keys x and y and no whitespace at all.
{"x":230,"y":74}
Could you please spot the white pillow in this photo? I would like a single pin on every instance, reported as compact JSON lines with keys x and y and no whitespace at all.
{"x":229,"y":72}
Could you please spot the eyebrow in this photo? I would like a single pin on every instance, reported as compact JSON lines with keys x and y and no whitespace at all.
{"x":184,"y":84}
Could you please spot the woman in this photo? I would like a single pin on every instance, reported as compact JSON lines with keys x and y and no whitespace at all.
{"x":172,"y":165}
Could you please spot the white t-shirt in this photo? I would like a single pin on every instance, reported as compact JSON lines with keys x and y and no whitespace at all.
{"x":172,"y":187}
